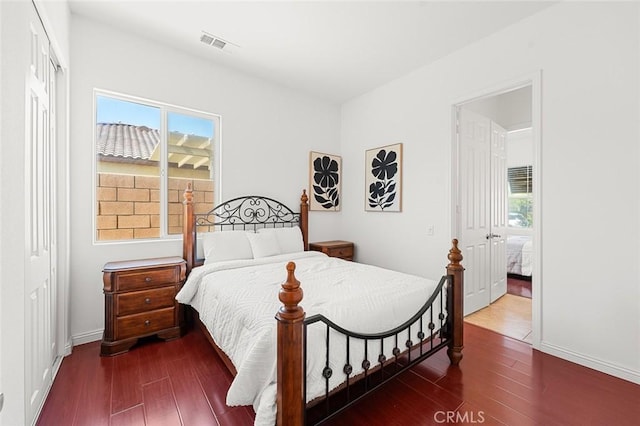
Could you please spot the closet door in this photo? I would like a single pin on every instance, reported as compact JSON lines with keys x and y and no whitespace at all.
{"x":39,"y":208}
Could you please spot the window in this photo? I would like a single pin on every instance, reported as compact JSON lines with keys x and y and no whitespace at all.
{"x":146,"y":154}
{"x":520,"y":197}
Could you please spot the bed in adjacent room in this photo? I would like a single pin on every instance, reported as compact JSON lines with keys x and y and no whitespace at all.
{"x":363,"y":324}
{"x":520,"y":255}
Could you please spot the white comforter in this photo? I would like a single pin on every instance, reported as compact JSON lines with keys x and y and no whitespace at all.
{"x":519,"y":255}
{"x":237,"y":301}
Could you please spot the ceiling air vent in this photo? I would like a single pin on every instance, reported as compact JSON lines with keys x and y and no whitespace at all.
{"x":217,"y":42}
{"x":206,"y":38}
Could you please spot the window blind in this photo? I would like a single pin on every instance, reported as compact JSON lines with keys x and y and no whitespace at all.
{"x":520,"y":179}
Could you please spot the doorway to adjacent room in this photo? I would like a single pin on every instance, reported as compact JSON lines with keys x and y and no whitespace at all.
{"x":495,"y":143}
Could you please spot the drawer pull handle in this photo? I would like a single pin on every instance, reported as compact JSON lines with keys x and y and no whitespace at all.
{"x":148,"y":279}
{"x":147,"y":301}
{"x":147,"y":323}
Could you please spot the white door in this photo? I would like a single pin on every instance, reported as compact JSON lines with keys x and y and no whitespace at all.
{"x":40,"y":207}
{"x":474,"y":133}
{"x":483,"y":208}
{"x":499,"y":212}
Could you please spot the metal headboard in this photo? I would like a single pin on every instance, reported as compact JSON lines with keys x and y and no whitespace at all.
{"x":242,"y":213}
{"x":248,"y":213}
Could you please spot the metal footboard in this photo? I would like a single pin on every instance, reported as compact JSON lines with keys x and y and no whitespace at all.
{"x":430,"y":327}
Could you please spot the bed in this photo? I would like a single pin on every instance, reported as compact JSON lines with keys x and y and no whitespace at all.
{"x":303,"y":367}
{"x":519,"y":255}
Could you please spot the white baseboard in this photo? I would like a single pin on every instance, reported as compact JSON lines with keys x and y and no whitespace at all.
{"x":594,"y":363}
{"x":88,"y":337}
{"x":68,"y":348}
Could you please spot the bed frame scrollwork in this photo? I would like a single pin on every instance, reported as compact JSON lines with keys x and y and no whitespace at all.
{"x":242,"y":213}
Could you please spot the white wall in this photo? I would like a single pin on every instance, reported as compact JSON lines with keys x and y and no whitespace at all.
{"x":267,"y":133}
{"x":511,"y":110}
{"x":515,"y":108}
{"x":520,"y":148}
{"x":589,"y":57}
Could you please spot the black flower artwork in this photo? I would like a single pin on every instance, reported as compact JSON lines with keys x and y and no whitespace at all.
{"x":326,"y":178}
{"x":384,"y":167}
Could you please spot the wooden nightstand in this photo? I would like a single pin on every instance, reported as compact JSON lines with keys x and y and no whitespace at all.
{"x":342,"y":249}
{"x":139,"y":298}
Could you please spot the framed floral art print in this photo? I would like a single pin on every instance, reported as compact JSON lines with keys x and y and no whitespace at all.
{"x":383,"y":179}
{"x":325,"y":175}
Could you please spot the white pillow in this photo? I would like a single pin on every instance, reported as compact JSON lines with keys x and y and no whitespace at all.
{"x":263,"y":244}
{"x":289,"y":239}
{"x":226,"y":245}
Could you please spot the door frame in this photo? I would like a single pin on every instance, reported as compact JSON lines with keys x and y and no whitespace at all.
{"x":534,"y":80}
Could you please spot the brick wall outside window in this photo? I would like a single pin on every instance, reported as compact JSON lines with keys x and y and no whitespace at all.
{"x":129,"y":205}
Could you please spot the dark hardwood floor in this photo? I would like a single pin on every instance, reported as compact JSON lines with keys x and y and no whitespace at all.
{"x":519,"y":286}
{"x":499,"y":381}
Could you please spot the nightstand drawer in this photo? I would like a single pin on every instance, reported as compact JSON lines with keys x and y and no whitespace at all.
{"x":337,"y":248}
{"x":342,"y":252}
{"x":144,"y":279}
{"x":144,"y":323}
{"x":146,"y":300}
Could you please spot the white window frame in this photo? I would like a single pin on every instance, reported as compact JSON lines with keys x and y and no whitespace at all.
{"x":165,"y":108}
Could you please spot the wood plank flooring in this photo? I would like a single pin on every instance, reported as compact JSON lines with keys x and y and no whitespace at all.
{"x":509,"y":315}
{"x":499,"y":381}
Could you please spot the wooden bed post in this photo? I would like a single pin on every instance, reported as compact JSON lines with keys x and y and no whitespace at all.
{"x":455,"y":269}
{"x":304,"y":219}
{"x":290,"y":376}
{"x":188,"y":252}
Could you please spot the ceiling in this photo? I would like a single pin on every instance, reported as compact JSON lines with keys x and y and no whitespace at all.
{"x":335,"y":50}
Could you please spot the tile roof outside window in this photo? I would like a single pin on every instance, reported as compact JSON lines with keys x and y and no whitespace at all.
{"x":126,"y":141}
